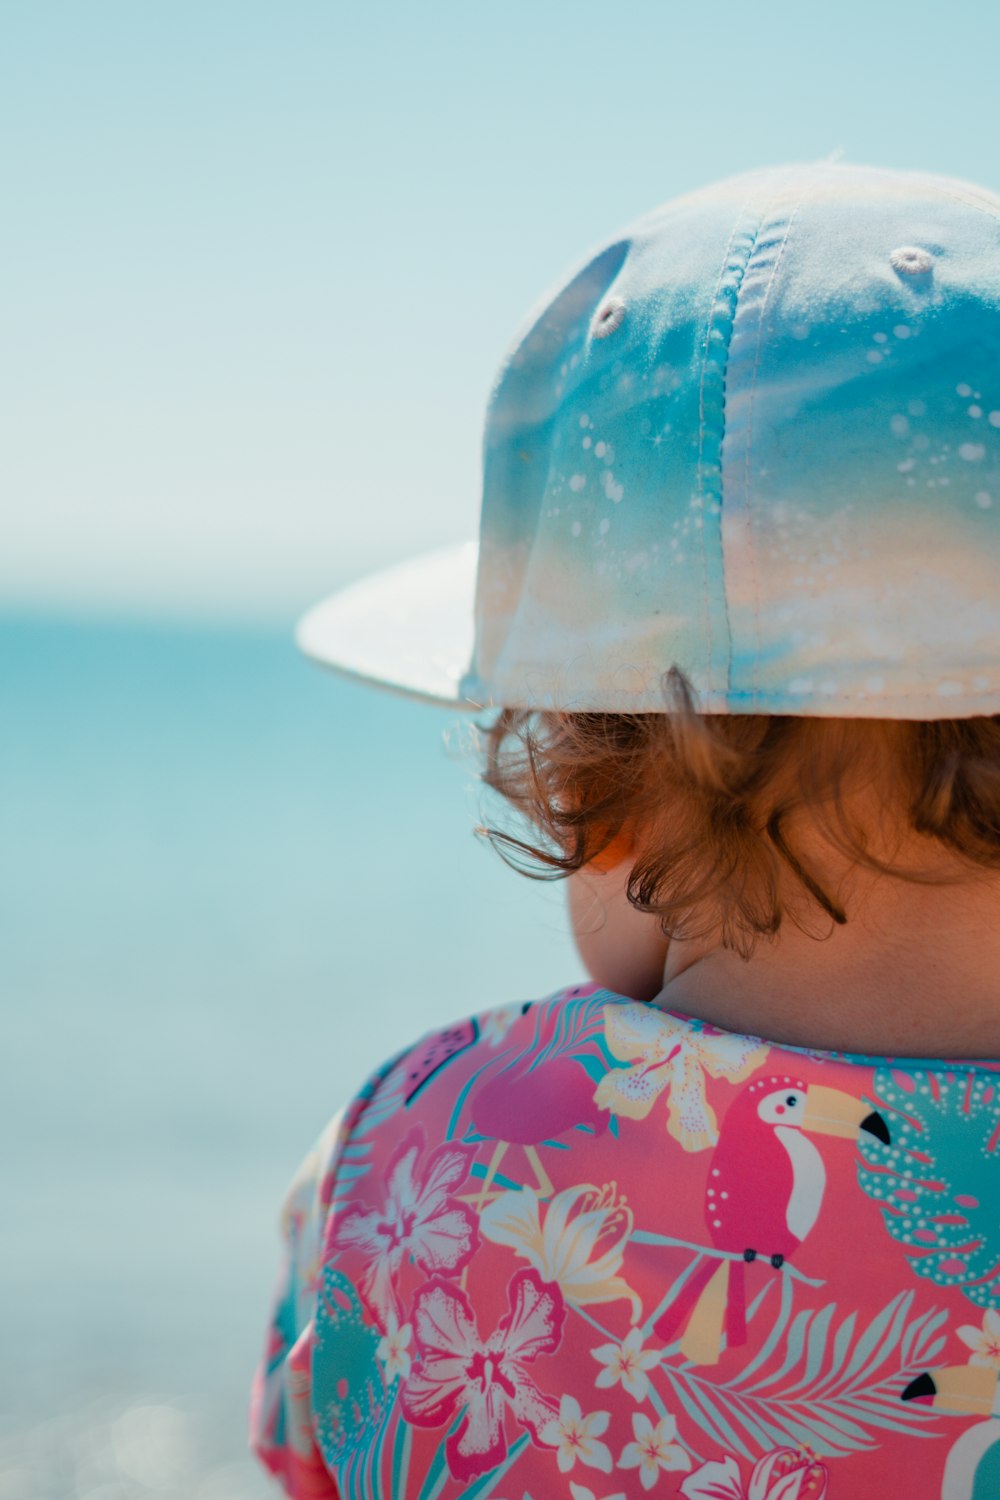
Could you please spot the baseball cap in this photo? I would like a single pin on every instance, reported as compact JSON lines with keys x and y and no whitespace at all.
{"x":755,"y":435}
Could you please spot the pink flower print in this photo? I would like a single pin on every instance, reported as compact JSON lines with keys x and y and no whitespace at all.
{"x":420,"y":1220}
{"x":783,"y":1474}
{"x":984,"y":1342}
{"x":459,"y":1372}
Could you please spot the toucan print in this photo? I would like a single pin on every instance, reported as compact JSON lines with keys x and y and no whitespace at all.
{"x":972,"y":1469}
{"x":763,"y":1193}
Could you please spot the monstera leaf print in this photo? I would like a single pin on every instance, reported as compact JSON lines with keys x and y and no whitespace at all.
{"x":937,"y":1186}
{"x":349,"y":1395}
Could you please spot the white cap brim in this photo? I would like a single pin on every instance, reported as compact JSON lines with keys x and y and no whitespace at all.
{"x":408,"y":628}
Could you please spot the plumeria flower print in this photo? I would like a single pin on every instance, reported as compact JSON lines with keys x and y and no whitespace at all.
{"x":627,"y":1362}
{"x":984,"y":1342}
{"x":420,"y":1220}
{"x":783,"y":1474}
{"x":579,"y":1244}
{"x":672,"y":1053}
{"x":495,"y":1024}
{"x":461,"y":1374}
{"x":575,"y":1437}
{"x":393,"y":1350}
{"x":653,"y":1449}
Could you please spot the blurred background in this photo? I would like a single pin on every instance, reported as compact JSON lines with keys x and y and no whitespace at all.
{"x":260,"y":262}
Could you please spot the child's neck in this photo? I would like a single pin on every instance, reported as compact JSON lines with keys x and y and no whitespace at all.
{"x":915,"y":971}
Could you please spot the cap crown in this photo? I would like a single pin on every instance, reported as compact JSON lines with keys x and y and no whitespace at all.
{"x":756,"y":436}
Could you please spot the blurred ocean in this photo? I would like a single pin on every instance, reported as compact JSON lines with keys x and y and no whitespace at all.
{"x":230,"y":884}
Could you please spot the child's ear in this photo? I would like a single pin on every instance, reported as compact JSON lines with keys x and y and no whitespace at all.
{"x":613,"y":854}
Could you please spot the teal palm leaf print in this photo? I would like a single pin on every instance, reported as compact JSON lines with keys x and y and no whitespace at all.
{"x":828,"y":1381}
{"x":938,"y":1183}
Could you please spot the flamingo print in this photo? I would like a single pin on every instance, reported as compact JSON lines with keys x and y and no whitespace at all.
{"x":541,"y":1092}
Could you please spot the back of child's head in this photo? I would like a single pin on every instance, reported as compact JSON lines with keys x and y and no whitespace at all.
{"x":739,"y":558}
{"x":704,"y":810}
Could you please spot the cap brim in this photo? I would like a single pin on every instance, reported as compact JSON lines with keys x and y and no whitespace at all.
{"x":408,"y":628}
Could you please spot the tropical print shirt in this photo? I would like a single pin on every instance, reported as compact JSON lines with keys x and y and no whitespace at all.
{"x":588,"y":1249}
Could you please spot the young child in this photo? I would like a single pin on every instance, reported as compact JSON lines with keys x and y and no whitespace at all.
{"x":719,"y":1223}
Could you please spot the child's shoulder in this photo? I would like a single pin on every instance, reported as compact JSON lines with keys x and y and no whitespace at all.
{"x":565,"y":1068}
{"x":484,"y":1036}
{"x":428,"y":1068}
{"x":445,"y":1084}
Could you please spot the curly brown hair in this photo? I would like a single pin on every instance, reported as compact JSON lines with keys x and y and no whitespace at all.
{"x":701,"y":802}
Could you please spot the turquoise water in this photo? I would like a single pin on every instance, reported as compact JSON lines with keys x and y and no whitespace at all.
{"x":230,"y":884}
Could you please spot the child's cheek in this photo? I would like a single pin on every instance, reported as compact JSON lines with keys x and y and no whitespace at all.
{"x":622,"y":949}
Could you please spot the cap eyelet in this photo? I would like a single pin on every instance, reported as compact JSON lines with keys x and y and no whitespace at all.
{"x":607,"y":318}
{"x":910,"y":260}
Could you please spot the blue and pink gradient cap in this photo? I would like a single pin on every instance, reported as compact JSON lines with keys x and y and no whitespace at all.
{"x":755,"y":436}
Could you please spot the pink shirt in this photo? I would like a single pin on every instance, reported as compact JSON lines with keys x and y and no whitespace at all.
{"x":587,"y":1248}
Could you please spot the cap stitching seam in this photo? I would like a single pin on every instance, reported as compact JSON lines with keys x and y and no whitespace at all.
{"x":981,"y":208}
{"x":749,"y":436}
{"x":722,"y":364}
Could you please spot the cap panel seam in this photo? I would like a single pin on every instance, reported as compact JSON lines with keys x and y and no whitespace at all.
{"x":723,"y":310}
{"x":776,"y":248}
{"x":751,"y":549}
{"x":982,"y":208}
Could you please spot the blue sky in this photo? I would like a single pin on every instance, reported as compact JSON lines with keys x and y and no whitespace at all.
{"x":261,"y":260}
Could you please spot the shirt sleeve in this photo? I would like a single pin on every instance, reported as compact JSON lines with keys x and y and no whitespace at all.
{"x":282,"y":1421}
{"x":281,"y":1424}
